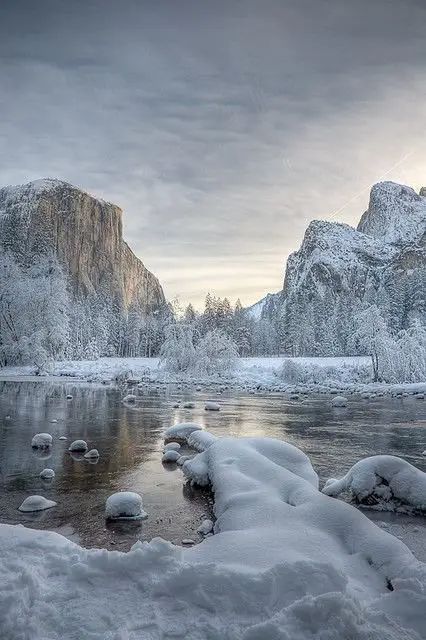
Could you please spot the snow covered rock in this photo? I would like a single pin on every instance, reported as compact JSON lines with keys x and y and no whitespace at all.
{"x":385,"y":481}
{"x":69,"y":396}
{"x":93,"y":453}
{"x":212,"y":406}
{"x":189,"y":405}
{"x":339,"y":401}
{"x":36,"y":503}
{"x":42,"y":441}
{"x":78,"y":445}
{"x":172,"y":446}
{"x":62,"y":438}
{"x":170,"y":456}
{"x":129,"y":399}
{"x":181,"y":430}
{"x":124,"y":505}
{"x":47,"y":474}
{"x":205,"y":527}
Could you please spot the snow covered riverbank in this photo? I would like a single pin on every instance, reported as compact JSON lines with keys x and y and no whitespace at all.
{"x":285,"y":562}
{"x":251,"y":374}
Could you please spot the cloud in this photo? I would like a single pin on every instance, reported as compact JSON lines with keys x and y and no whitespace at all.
{"x":220,"y":128}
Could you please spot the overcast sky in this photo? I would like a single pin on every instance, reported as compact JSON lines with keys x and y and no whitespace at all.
{"x":221,"y":128}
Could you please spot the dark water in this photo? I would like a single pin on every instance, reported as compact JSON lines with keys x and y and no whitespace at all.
{"x":130,"y":442}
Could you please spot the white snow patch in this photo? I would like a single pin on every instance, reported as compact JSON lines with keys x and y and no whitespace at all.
{"x":36,"y":503}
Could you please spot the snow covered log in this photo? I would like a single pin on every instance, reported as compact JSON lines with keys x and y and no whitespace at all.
{"x":385,"y":481}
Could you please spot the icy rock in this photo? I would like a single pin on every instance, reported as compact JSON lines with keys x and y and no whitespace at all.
{"x":188,"y":541}
{"x":69,"y":396}
{"x":189,"y":405}
{"x":54,"y":421}
{"x":62,"y":437}
{"x":93,"y":453}
{"x":365,"y":396}
{"x":294,"y":396}
{"x":212,"y":406}
{"x":181,"y":461}
{"x":205,"y":527}
{"x":42,"y":441}
{"x":36,"y":503}
{"x":339,"y":401}
{"x":176,"y":405}
{"x":172,"y":446}
{"x":420,"y":396}
{"x":7,"y":417}
{"x":47,"y":474}
{"x":181,"y":430}
{"x":78,"y":445}
{"x":124,"y":505}
{"x":170,"y":456}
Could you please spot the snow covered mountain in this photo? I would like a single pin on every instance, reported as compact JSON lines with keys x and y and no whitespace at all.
{"x":338,"y":269}
{"x":49,"y":216}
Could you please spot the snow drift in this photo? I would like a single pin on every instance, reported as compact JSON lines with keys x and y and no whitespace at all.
{"x":286,"y":562}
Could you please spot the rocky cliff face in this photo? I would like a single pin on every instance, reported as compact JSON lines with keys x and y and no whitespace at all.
{"x":338,"y":269}
{"x":85,"y":234}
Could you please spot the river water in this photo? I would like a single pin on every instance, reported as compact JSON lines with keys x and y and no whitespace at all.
{"x":129,"y":439}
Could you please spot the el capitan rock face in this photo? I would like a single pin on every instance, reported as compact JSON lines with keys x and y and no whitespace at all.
{"x":339,"y":269}
{"x":85,"y":233}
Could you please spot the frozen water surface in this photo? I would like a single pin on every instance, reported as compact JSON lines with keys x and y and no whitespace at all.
{"x":130,"y":443}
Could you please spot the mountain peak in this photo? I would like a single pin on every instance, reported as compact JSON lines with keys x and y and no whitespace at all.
{"x":396,"y":214}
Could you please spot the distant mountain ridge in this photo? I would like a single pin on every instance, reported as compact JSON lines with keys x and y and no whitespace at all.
{"x":338,"y":269}
{"x":85,"y":233}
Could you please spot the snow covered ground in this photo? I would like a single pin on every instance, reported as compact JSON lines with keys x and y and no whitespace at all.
{"x":265,"y":374}
{"x":286,"y":562}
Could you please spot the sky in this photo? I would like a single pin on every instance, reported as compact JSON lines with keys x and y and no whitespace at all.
{"x":221,"y":128}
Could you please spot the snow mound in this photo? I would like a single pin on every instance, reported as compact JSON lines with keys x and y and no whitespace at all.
{"x":339,"y":401}
{"x":129,"y":399}
{"x":189,"y":405}
{"x":172,"y":446}
{"x":181,"y":430}
{"x":171,"y":456}
{"x":212,"y":406}
{"x":385,"y":481}
{"x":78,"y":445}
{"x":286,"y":563}
{"x":124,"y":505}
{"x":36,"y":503}
{"x":93,"y":453}
{"x":47,"y":474}
{"x":42,"y":441}
{"x":200,"y":440}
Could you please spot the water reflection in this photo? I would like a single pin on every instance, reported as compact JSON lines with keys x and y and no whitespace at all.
{"x":129,"y":439}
